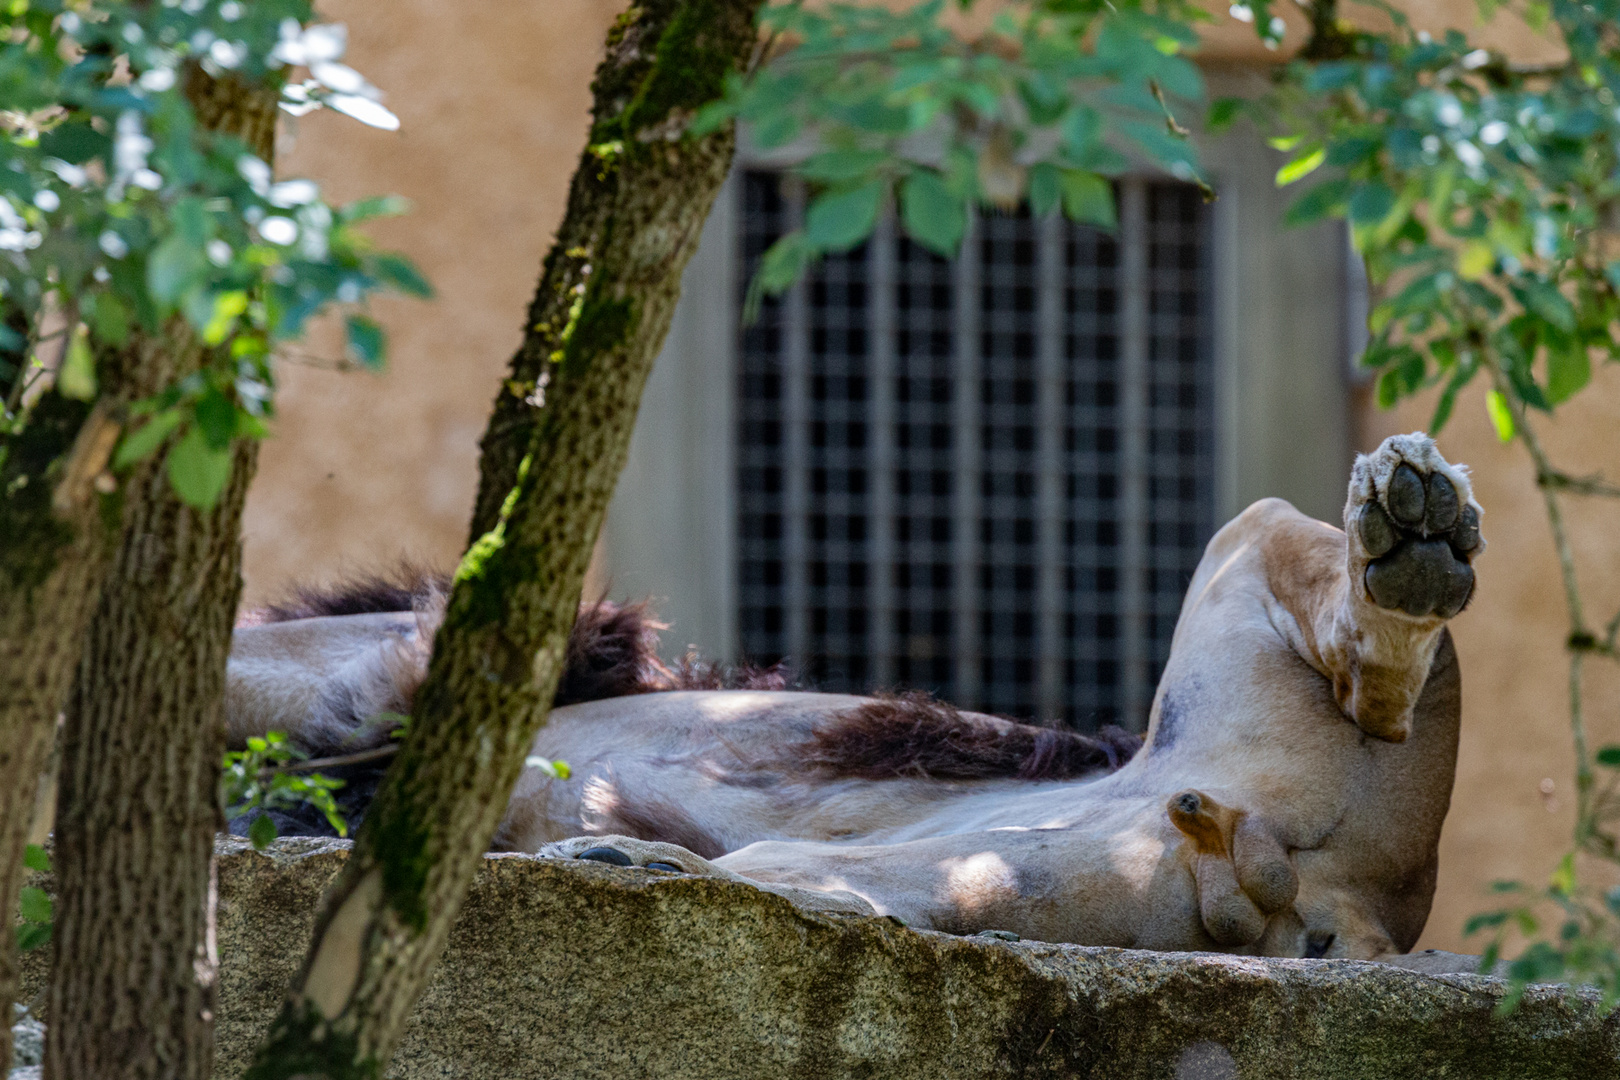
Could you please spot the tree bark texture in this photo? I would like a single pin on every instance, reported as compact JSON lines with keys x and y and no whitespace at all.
{"x":551,"y":457}
{"x":54,"y":539}
{"x":132,"y":987}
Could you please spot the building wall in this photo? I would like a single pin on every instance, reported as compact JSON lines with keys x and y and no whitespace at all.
{"x":493,"y":96}
{"x":493,"y":99}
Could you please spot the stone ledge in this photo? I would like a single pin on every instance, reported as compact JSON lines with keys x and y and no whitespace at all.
{"x":579,"y":970}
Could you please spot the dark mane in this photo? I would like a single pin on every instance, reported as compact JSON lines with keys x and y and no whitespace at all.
{"x":408,"y":588}
{"x":915,"y":735}
{"x":612,"y":652}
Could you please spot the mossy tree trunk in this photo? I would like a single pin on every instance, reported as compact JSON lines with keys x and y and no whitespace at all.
{"x":133,"y":972}
{"x":552,"y":456}
{"x":55,"y":533}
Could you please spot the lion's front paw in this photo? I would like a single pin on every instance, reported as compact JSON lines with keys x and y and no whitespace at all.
{"x":628,"y":851}
{"x":1414,"y":520}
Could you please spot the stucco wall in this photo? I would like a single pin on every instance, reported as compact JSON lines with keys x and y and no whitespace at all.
{"x":493,"y":100}
{"x":492,"y":96}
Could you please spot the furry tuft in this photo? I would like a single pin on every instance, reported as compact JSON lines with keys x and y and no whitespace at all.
{"x":408,"y":588}
{"x":917,"y":736}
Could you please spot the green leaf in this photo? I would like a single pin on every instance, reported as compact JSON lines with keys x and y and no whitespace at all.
{"x":77,"y":379}
{"x":1371,"y":204}
{"x":1045,"y":188}
{"x":31,"y":936}
{"x":190,"y":220}
{"x":1545,"y":300}
{"x":110,"y":319}
{"x":781,"y":266}
{"x":402,"y":274}
{"x":1448,"y":397}
{"x":1088,"y":198}
{"x":784,"y":261}
{"x":262,"y":832}
{"x":35,"y":858}
{"x":1224,"y":113}
{"x":1081,"y":130}
{"x":841,"y":166}
{"x":932,"y":216}
{"x":1326,"y":199}
{"x":838,"y":220}
{"x":198,"y":471}
{"x":173,"y":268}
{"x":1483,"y":922}
{"x":1301,"y":167}
{"x":35,"y":905}
{"x":216,"y":418}
{"x":1569,"y":369}
{"x":140,"y":443}
{"x":1609,"y":756}
{"x":557,"y":770}
{"x":75,"y":143}
{"x":1496,"y":407}
{"x":1563,"y":878}
{"x":367,"y":342}
{"x":375,"y":206}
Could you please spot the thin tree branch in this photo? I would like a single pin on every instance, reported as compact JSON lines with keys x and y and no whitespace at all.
{"x":360,"y":757}
{"x":1584,"y":779}
{"x":1577,"y":485}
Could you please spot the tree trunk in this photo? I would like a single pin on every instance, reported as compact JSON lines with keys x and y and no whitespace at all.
{"x":132,"y":985}
{"x":54,"y":540}
{"x":606,"y":296}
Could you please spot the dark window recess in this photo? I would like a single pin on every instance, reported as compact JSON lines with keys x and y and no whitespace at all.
{"x":882,"y":545}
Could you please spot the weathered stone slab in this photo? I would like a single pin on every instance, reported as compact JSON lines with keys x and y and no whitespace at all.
{"x":584,"y":971}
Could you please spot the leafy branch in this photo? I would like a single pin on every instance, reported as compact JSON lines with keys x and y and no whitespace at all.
{"x":896,"y":108}
{"x":120,"y":212}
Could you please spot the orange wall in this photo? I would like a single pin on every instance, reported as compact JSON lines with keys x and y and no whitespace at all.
{"x":493,"y":99}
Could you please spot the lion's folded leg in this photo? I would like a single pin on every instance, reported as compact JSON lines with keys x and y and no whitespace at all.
{"x":1227,"y":909}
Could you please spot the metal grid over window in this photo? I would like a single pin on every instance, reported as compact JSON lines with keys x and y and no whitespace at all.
{"x":990,"y":478}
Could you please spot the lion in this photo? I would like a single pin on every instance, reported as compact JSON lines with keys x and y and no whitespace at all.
{"x":1286,"y":798}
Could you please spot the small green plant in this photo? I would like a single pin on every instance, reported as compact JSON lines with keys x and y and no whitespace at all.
{"x":258,"y":778}
{"x":34,"y":929}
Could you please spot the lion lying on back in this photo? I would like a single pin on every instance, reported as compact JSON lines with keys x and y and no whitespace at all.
{"x":1287,"y":800}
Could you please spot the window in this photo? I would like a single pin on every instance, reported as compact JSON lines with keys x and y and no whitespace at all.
{"x":990,"y":478}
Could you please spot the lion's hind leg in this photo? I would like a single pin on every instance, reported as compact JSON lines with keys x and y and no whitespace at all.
{"x":1243,"y":873}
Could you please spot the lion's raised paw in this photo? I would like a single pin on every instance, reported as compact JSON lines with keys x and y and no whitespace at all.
{"x":1413,"y":516}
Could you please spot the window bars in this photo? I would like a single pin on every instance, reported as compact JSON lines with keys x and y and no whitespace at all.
{"x":990,"y":478}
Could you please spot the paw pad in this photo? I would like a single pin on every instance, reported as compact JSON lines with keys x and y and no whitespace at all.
{"x":1419,"y":542}
{"x":611,"y":856}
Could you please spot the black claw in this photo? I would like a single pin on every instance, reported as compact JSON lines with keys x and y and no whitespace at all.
{"x":1465,"y":537}
{"x":1405,"y":496}
{"x":611,"y":856}
{"x":1378,"y":533}
{"x":1440,"y":511}
{"x":668,"y":868}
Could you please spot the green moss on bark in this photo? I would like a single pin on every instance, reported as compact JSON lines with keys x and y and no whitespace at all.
{"x":603,"y":325}
{"x":302,"y":1044}
{"x":685,"y":70}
